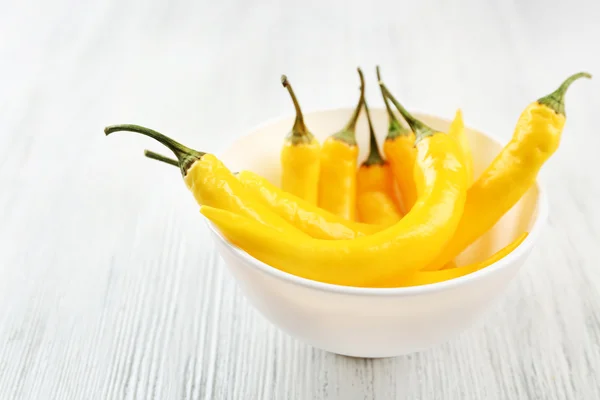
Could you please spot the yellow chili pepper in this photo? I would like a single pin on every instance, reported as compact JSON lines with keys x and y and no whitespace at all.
{"x":457,"y":131}
{"x":307,"y":217}
{"x":429,"y":277}
{"x":401,"y":249}
{"x":213,"y":184}
{"x":300,"y":157}
{"x":375,"y":186}
{"x":312,"y":220}
{"x":337,"y":181}
{"x":399,"y":149}
{"x":536,"y":137}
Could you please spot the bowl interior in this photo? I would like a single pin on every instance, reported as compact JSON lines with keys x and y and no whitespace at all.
{"x":259,"y":152}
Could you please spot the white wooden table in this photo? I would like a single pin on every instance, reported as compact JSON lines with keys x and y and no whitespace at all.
{"x":109,"y":285}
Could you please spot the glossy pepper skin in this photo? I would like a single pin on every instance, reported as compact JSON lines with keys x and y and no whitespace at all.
{"x":429,"y":277}
{"x":300,"y":156}
{"x":307,"y":217}
{"x":310,"y":219}
{"x":536,"y":137}
{"x":400,"y":152}
{"x":211,"y":182}
{"x":398,"y":250}
{"x":337,"y":180}
{"x":457,"y":131}
{"x":375,"y":186}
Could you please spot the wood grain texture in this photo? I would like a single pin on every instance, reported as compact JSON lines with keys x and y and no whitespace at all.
{"x":109,"y":285}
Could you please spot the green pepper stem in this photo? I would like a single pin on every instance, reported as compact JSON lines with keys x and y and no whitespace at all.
{"x":385,"y":99}
{"x":374,"y":156}
{"x":556,"y":99}
{"x":159,"y":157}
{"x":351,"y":126}
{"x":347,"y":134}
{"x":299,"y":125}
{"x":419,"y":128}
{"x":395,"y":127}
{"x":162,"y":158}
{"x":186,"y":156}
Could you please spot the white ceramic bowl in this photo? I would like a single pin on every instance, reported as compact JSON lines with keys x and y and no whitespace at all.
{"x":365,"y":322}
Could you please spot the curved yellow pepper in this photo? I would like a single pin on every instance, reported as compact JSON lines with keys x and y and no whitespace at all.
{"x":429,"y":277}
{"x":418,"y":278}
{"x":457,"y":131}
{"x":401,"y":249}
{"x":337,"y":180}
{"x":375,"y":186}
{"x":400,"y":152}
{"x":536,"y":137}
{"x":314,"y":221}
{"x":307,"y":217}
{"x":300,"y":157}
{"x":211,"y":182}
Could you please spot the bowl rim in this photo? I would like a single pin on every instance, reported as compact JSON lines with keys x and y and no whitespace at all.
{"x":540,"y":218}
